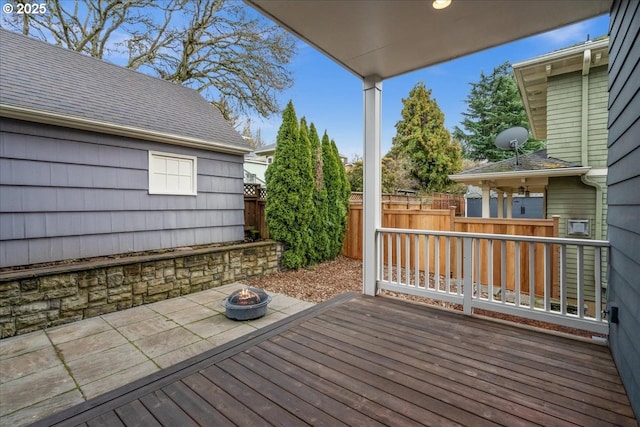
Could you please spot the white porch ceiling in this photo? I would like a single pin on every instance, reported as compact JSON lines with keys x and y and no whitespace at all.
{"x":386,"y":38}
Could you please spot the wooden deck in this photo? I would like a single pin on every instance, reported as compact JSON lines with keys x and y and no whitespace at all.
{"x":358,"y":360}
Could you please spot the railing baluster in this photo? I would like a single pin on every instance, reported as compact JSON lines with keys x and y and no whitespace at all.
{"x":490,"y":245}
{"x":516,"y":255}
{"x":389,"y":258}
{"x":598,"y":282}
{"x":563,"y":280}
{"x":580,"y":280}
{"x":503,"y":271}
{"x":427,"y":267}
{"x":436,"y":261}
{"x":459,"y":265}
{"x":478,"y":249}
{"x":447,"y":264}
{"x":416,"y":259}
{"x":407,"y":258}
{"x":532,"y":276}
{"x":398,"y":258}
{"x":547,"y":276}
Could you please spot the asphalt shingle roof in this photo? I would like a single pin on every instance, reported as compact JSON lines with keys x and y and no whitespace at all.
{"x":48,"y":78}
{"x":537,"y":160}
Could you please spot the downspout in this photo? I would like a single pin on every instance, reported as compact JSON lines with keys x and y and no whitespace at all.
{"x":586,"y":65}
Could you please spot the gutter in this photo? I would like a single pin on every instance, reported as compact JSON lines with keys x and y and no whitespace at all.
{"x":584,"y":140}
{"x":559,"y":54}
{"x":56,"y":119}
{"x":539,"y":173}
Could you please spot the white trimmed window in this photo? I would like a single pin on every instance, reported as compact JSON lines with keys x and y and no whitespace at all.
{"x":172,"y":174}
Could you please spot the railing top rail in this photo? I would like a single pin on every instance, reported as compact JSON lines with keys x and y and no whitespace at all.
{"x":506,"y":237}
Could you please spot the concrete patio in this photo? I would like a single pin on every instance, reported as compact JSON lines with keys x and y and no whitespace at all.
{"x":46,"y":371}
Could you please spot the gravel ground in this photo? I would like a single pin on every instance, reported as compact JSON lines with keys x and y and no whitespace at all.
{"x":328,"y":279}
{"x":317,"y":283}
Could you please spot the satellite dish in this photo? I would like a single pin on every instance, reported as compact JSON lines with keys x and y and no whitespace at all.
{"x":512,"y":139}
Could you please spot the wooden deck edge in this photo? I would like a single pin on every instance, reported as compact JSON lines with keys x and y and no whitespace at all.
{"x":119,"y":396}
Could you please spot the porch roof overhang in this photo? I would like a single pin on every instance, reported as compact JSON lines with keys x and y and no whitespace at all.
{"x":386,"y":38}
{"x":534,"y":180}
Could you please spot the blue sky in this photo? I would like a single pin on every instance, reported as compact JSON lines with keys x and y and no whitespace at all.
{"x":331,"y":97}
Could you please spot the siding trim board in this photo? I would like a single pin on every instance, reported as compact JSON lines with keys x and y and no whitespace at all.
{"x":50,"y":118}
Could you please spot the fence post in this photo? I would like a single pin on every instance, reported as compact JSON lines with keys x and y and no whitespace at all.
{"x":467,"y":279}
{"x":452,"y":218}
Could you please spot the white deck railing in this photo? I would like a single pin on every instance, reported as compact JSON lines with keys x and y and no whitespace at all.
{"x":553,"y":280}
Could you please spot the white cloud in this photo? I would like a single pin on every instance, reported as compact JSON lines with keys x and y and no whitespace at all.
{"x":565,"y":36}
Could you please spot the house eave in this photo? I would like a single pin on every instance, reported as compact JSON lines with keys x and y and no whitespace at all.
{"x":540,"y":173}
{"x":563,"y":53}
{"x":531,"y":77}
{"x":56,"y":119}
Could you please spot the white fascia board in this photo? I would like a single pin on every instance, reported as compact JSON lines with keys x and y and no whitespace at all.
{"x":598,"y":172}
{"x":542,"y":173}
{"x":49,"y":118}
{"x":559,"y":54}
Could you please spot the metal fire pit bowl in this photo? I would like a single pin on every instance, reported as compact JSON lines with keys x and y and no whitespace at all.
{"x":247,"y":304}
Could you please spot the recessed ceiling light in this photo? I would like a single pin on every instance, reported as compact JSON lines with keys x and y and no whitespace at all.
{"x":441,"y":4}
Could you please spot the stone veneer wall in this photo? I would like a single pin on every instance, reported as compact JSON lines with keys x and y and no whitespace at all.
{"x":40,"y":298}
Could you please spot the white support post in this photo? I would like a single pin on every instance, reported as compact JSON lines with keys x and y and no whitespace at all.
{"x":486,"y":201}
{"x":500,"y":204}
{"x":509,"y":205}
{"x":372,"y":87}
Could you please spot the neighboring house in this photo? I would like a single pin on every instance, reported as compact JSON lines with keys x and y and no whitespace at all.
{"x":257,"y":162}
{"x":255,"y":168}
{"x":565,"y":96}
{"x":96,"y":159}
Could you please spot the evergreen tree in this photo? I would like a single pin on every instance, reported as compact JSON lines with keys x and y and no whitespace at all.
{"x":320,"y":247}
{"x":493,"y":105}
{"x":344,"y":196}
{"x":422,"y":138}
{"x":331,"y":177}
{"x":289,"y":186}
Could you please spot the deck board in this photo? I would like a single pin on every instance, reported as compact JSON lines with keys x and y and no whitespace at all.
{"x":359,"y":360}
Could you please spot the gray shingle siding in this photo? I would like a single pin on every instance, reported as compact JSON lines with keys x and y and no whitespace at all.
{"x":624,"y":198}
{"x":62,"y":197}
{"x":75,"y":136}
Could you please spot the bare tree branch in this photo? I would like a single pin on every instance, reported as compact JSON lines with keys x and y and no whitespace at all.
{"x":237,"y":60}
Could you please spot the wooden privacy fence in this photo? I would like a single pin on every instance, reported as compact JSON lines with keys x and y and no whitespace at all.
{"x":254,"y":210}
{"x":413,"y":202}
{"x":431,"y":252}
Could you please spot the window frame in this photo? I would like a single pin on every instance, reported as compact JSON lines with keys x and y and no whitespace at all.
{"x":153,"y":189}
